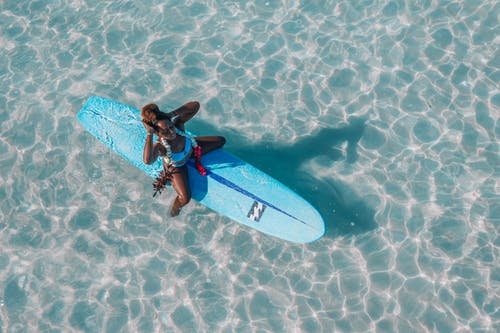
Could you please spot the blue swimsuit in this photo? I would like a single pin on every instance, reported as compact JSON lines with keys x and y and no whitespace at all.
{"x":181,"y":158}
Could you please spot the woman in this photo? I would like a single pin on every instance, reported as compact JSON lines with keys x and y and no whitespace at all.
{"x":176,"y":147}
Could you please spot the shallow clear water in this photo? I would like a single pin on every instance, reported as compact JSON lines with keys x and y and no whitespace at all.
{"x":383,"y":114}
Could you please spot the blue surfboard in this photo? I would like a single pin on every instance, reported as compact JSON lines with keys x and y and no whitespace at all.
{"x":231,"y":187}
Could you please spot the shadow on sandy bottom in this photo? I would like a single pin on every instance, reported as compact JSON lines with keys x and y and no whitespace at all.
{"x":344,"y":212}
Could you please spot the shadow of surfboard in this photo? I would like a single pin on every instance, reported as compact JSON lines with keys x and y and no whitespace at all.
{"x":344,"y":212}
{"x":227,"y":161}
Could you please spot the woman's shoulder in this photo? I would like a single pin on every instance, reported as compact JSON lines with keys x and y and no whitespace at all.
{"x":179,"y":124}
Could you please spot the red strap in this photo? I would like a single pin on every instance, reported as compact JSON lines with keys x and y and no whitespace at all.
{"x":199,"y":166}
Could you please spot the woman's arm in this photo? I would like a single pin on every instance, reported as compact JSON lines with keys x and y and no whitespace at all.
{"x":184,"y":113}
{"x":150,"y":153}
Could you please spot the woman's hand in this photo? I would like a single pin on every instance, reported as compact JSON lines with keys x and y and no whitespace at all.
{"x":148,"y":127}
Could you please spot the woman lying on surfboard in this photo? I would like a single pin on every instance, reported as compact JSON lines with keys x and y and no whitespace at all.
{"x":176,"y":147}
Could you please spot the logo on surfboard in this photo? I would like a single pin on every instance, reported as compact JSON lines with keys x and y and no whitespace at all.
{"x":256,"y":211}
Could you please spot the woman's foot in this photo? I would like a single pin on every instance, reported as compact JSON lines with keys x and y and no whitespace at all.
{"x":176,"y":208}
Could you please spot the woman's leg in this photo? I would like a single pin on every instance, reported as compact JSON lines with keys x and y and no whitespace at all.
{"x":180,"y":183}
{"x":209,"y":143}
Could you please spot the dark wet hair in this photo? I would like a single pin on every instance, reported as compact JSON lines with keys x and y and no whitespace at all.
{"x":151,"y":115}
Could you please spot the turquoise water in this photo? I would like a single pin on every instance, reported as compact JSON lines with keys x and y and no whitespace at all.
{"x":383,"y":114}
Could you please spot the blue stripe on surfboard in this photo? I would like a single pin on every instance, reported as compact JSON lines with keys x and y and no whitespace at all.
{"x":237,"y":188}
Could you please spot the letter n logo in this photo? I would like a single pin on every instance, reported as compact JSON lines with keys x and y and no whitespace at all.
{"x":256,"y":211}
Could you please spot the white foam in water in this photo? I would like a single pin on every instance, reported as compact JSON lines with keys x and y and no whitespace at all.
{"x":382,"y":114}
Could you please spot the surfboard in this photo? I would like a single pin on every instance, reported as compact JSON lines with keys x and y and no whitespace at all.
{"x":232,"y":187}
